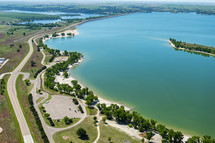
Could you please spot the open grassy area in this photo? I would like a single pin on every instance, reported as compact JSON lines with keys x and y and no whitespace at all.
{"x":10,"y":49}
{"x":61,"y":124}
{"x":40,"y":99}
{"x":48,"y":57}
{"x":69,"y":135}
{"x":12,"y":54}
{"x":91,"y":110}
{"x":8,"y":122}
{"x":36,"y":57}
{"x":116,"y":135}
{"x":22,"y":93}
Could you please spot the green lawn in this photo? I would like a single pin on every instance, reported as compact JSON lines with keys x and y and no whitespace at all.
{"x":116,"y":135}
{"x":61,"y":123}
{"x":69,"y":135}
{"x":40,"y":99}
{"x":8,"y":122}
{"x":91,"y":110}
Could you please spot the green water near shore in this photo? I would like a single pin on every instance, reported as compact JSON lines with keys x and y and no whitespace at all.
{"x":128,"y":59}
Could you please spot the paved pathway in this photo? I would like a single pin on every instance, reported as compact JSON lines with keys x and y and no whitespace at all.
{"x":11,"y":88}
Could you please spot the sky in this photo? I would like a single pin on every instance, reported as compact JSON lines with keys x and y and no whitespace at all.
{"x":76,"y":1}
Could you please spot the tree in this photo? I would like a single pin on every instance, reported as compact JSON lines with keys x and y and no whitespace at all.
{"x":104,"y":119}
{"x":65,"y":74}
{"x":77,"y":87}
{"x":142,"y":140}
{"x":164,"y":141}
{"x":109,"y":139}
{"x":24,"y":33}
{"x":20,"y":46}
{"x":27,"y":82}
{"x":66,"y":53}
{"x":170,"y":135}
{"x":81,"y":133}
{"x":74,"y":82}
{"x":162,"y":130}
{"x":80,"y":108}
{"x":149,"y":135}
{"x":33,"y":63}
{"x":67,"y":120}
{"x":94,"y":118}
{"x":63,"y":34}
{"x":194,"y":139}
{"x":206,"y":139}
{"x":177,"y":136}
{"x":153,"y":123}
{"x":39,"y":91}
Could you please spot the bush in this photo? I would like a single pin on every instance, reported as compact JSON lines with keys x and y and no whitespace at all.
{"x":82,"y":134}
{"x":80,"y":108}
{"x":75,"y":101}
{"x":39,"y":71}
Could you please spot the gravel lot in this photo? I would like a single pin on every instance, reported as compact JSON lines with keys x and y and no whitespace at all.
{"x":60,"y":106}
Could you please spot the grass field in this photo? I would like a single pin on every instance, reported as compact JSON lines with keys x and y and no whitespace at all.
{"x":61,"y":123}
{"x":69,"y":135}
{"x":27,"y":16}
{"x":8,"y":122}
{"x":91,"y":110}
{"x":36,"y":57}
{"x":116,"y":135}
{"x":22,"y":93}
{"x":40,"y":99}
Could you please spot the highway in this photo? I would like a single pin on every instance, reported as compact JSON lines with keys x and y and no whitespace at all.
{"x":11,"y":88}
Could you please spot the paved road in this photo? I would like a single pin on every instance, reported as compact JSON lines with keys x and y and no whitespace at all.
{"x":11,"y":88}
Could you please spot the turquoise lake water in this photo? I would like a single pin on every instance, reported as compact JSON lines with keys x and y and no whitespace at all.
{"x":128,"y":59}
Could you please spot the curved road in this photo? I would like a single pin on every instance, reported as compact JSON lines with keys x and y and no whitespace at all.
{"x":11,"y":88}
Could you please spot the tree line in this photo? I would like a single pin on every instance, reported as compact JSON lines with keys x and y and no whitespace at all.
{"x":2,"y":86}
{"x":38,"y":121}
{"x":192,"y":47}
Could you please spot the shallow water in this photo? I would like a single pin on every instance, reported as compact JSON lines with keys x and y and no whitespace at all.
{"x":128,"y":59}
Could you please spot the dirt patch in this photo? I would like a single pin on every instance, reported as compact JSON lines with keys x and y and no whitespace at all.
{"x":65,"y":137}
{"x":1,"y":130}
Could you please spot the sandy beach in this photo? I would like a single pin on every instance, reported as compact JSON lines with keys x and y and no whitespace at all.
{"x":74,"y":31}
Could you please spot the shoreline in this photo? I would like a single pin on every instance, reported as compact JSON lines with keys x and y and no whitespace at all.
{"x":201,"y":52}
{"x":61,"y":79}
{"x":130,"y":131}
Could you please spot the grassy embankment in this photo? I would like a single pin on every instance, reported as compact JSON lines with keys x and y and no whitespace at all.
{"x":116,"y":136}
{"x":36,"y":57}
{"x":8,"y":122}
{"x":22,"y":93}
{"x":69,"y":135}
{"x":40,"y":99}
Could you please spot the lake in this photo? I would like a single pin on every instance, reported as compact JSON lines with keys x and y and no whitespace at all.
{"x":62,"y":16}
{"x":129,"y":60}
